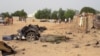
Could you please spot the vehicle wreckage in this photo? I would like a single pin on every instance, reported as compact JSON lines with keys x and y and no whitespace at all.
{"x":29,"y":33}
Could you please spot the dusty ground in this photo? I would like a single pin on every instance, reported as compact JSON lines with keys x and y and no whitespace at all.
{"x":80,"y":45}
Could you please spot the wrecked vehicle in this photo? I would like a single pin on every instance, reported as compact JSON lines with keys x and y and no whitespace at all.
{"x":31,"y":32}
{"x":96,"y":22}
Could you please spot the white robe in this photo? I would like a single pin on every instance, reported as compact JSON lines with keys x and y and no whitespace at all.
{"x":81,"y":22}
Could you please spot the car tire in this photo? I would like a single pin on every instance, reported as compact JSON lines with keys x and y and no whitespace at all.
{"x":30,"y":36}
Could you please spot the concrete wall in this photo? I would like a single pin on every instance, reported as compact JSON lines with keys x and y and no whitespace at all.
{"x":87,"y":23}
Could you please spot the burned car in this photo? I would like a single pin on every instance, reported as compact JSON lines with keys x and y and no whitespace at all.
{"x":30,"y":32}
{"x":96,"y":22}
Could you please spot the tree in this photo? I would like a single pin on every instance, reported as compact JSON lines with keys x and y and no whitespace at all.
{"x":20,"y":13}
{"x":46,"y":13}
{"x":54,"y":15}
{"x":69,"y":13}
{"x":61,"y":13}
{"x":5,"y":14}
{"x":43,"y":14}
{"x":38,"y":14}
{"x":88,"y":10}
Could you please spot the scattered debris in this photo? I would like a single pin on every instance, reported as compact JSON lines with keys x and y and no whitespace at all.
{"x":23,"y":49}
{"x":77,"y":46}
{"x":23,"y":53}
{"x":9,"y":37}
{"x":74,"y":35}
{"x":68,"y":32}
{"x":35,"y":43}
{"x":6,"y":49}
{"x":88,"y":45}
{"x":44,"y":45}
{"x":97,"y":43}
{"x":54,"y":38}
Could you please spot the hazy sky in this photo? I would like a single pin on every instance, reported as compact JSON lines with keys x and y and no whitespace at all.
{"x":32,"y":5}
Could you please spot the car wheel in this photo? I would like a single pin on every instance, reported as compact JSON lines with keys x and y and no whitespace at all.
{"x":30,"y":36}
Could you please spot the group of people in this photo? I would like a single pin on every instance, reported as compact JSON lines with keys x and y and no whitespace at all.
{"x":22,"y":19}
{"x":8,"y":20}
{"x":67,"y":20}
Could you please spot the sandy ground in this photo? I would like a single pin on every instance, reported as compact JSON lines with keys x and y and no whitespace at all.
{"x":80,"y":45}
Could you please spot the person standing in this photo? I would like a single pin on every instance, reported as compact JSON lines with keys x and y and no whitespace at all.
{"x":65,"y":20}
{"x":69,"y":19}
{"x":6,"y":21}
{"x":59,"y":21}
{"x":10,"y":20}
{"x":81,"y":21}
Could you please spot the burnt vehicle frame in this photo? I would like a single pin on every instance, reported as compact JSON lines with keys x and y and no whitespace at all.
{"x":31,"y":32}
